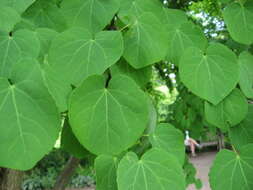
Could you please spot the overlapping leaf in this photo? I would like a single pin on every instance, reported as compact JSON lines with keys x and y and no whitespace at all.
{"x":246,"y":74}
{"x":233,"y":171}
{"x":8,"y":18}
{"x":22,"y":43}
{"x":230,"y":112}
{"x":243,"y":133}
{"x":19,"y":5}
{"x":93,"y":15}
{"x":30,"y":122}
{"x":212,"y":74}
{"x":145,"y":41}
{"x":157,"y":169}
{"x":106,"y":168}
{"x":170,"y":139}
{"x":239,"y":20}
{"x":108,"y":120}
{"x":46,"y":14}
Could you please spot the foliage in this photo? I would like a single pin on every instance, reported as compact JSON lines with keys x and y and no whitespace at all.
{"x":89,"y":63}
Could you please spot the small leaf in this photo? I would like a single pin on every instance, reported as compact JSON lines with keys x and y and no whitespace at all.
{"x":108,"y":120}
{"x":157,"y":169}
{"x":145,"y":41}
{"x":233,"y":171}
{"x":70,"y":144}
{"x":211,"y":75}
{"x":239,"y":20}
{"x":170,"y":139}
{"x":93,"y":15}
{"x":140,"y":76}
{"x":22,"y":43}
{"x":243,"y":133}
{"x":30,"y":122}
{"x":230,"y":112}
{"x":246,"y":74}
{"x":106,"y":167}
{"x":46,"y":14}
{"x":9,"y":17}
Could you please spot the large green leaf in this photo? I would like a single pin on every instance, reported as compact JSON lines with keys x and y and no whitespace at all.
{"x":157,"y":169}
{"x":30,"y":122}
{"x":140,"y":76}
{"x":22,"y":43}
{"x":243,"y":133}
{"x":170,"y":139}
{"x":70,"y":144}
{"x":9,"y":17}
{"x":46,"y":14}
{"x":84,"y":54}
{"x":172,"y":15}
{"x":239,"y":20}
{"x":212,"y":74}
{"x":19,"y":5}
{"x":246,"y":74}
{"x":93,"y":15}
{"x":145,"y":41}
{"x":182,"y":37}
{"x":230,"y":112}
{"x":108,"y":120}
{"x":233,"y":171}
{"x":106,"y":168}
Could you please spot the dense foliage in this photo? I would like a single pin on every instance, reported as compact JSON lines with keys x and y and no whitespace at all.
{"x":87,"y":64}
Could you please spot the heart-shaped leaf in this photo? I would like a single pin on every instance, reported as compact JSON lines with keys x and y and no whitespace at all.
{"x":22,"y":43}
{"x":246,"y":74}
{"x":145,"y":41}
{"x":93,"y":15}
{"x":170,"y":139}
{"x":233,"y":171}
{"x":106,"y":168}
{"x":243,"y":133}
{"x":30,"y":122}
{"x":157,"y":169}
{"x":211,"y":75}
{"x":230,"y":112}
{"x":108,"y":120}
{"x":239,"y":20}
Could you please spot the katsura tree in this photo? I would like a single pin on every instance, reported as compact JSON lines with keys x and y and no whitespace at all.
{"x":85,"y":65}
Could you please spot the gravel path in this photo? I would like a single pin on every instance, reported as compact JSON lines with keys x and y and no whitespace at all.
{"x":202,"y":163}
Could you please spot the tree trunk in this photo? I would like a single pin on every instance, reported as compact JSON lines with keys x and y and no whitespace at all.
{"x":66,"y":174}
{"x":11,"y":179}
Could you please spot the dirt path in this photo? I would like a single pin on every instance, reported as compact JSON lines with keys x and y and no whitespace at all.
{"x":202,"y":162}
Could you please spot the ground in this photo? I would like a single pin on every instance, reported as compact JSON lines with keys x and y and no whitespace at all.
{"x":202,"y":162}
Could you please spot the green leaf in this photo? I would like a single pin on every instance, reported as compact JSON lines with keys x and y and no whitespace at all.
{"x":70,"y":144}
{"x":84,"y":54}
{"x":170,"y":139}
{"x":30,"y":122}
{"x":93,"y":15}
{"x":108,"y":120}
{"x":230,"y":112}
{"x":243,"y":133}
{"x":18,"y":5}
{"x":22,"y":43}
{"x":182,"y":37}
{"x":157,"y":169}
{"x":152,"y":123}
{"x":233,"y":171}
{"x":145,"y":41}
{"x":46,"y":14}
{"x":45,"y":35}
{"x":246,"y":73}
{"x":140,"y":76}
{"x":9,"y":17}
{"x":106,"y":168}
{"x":239,"y":20}
{"x":172,"y":15}
{"x":212,"y":74}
